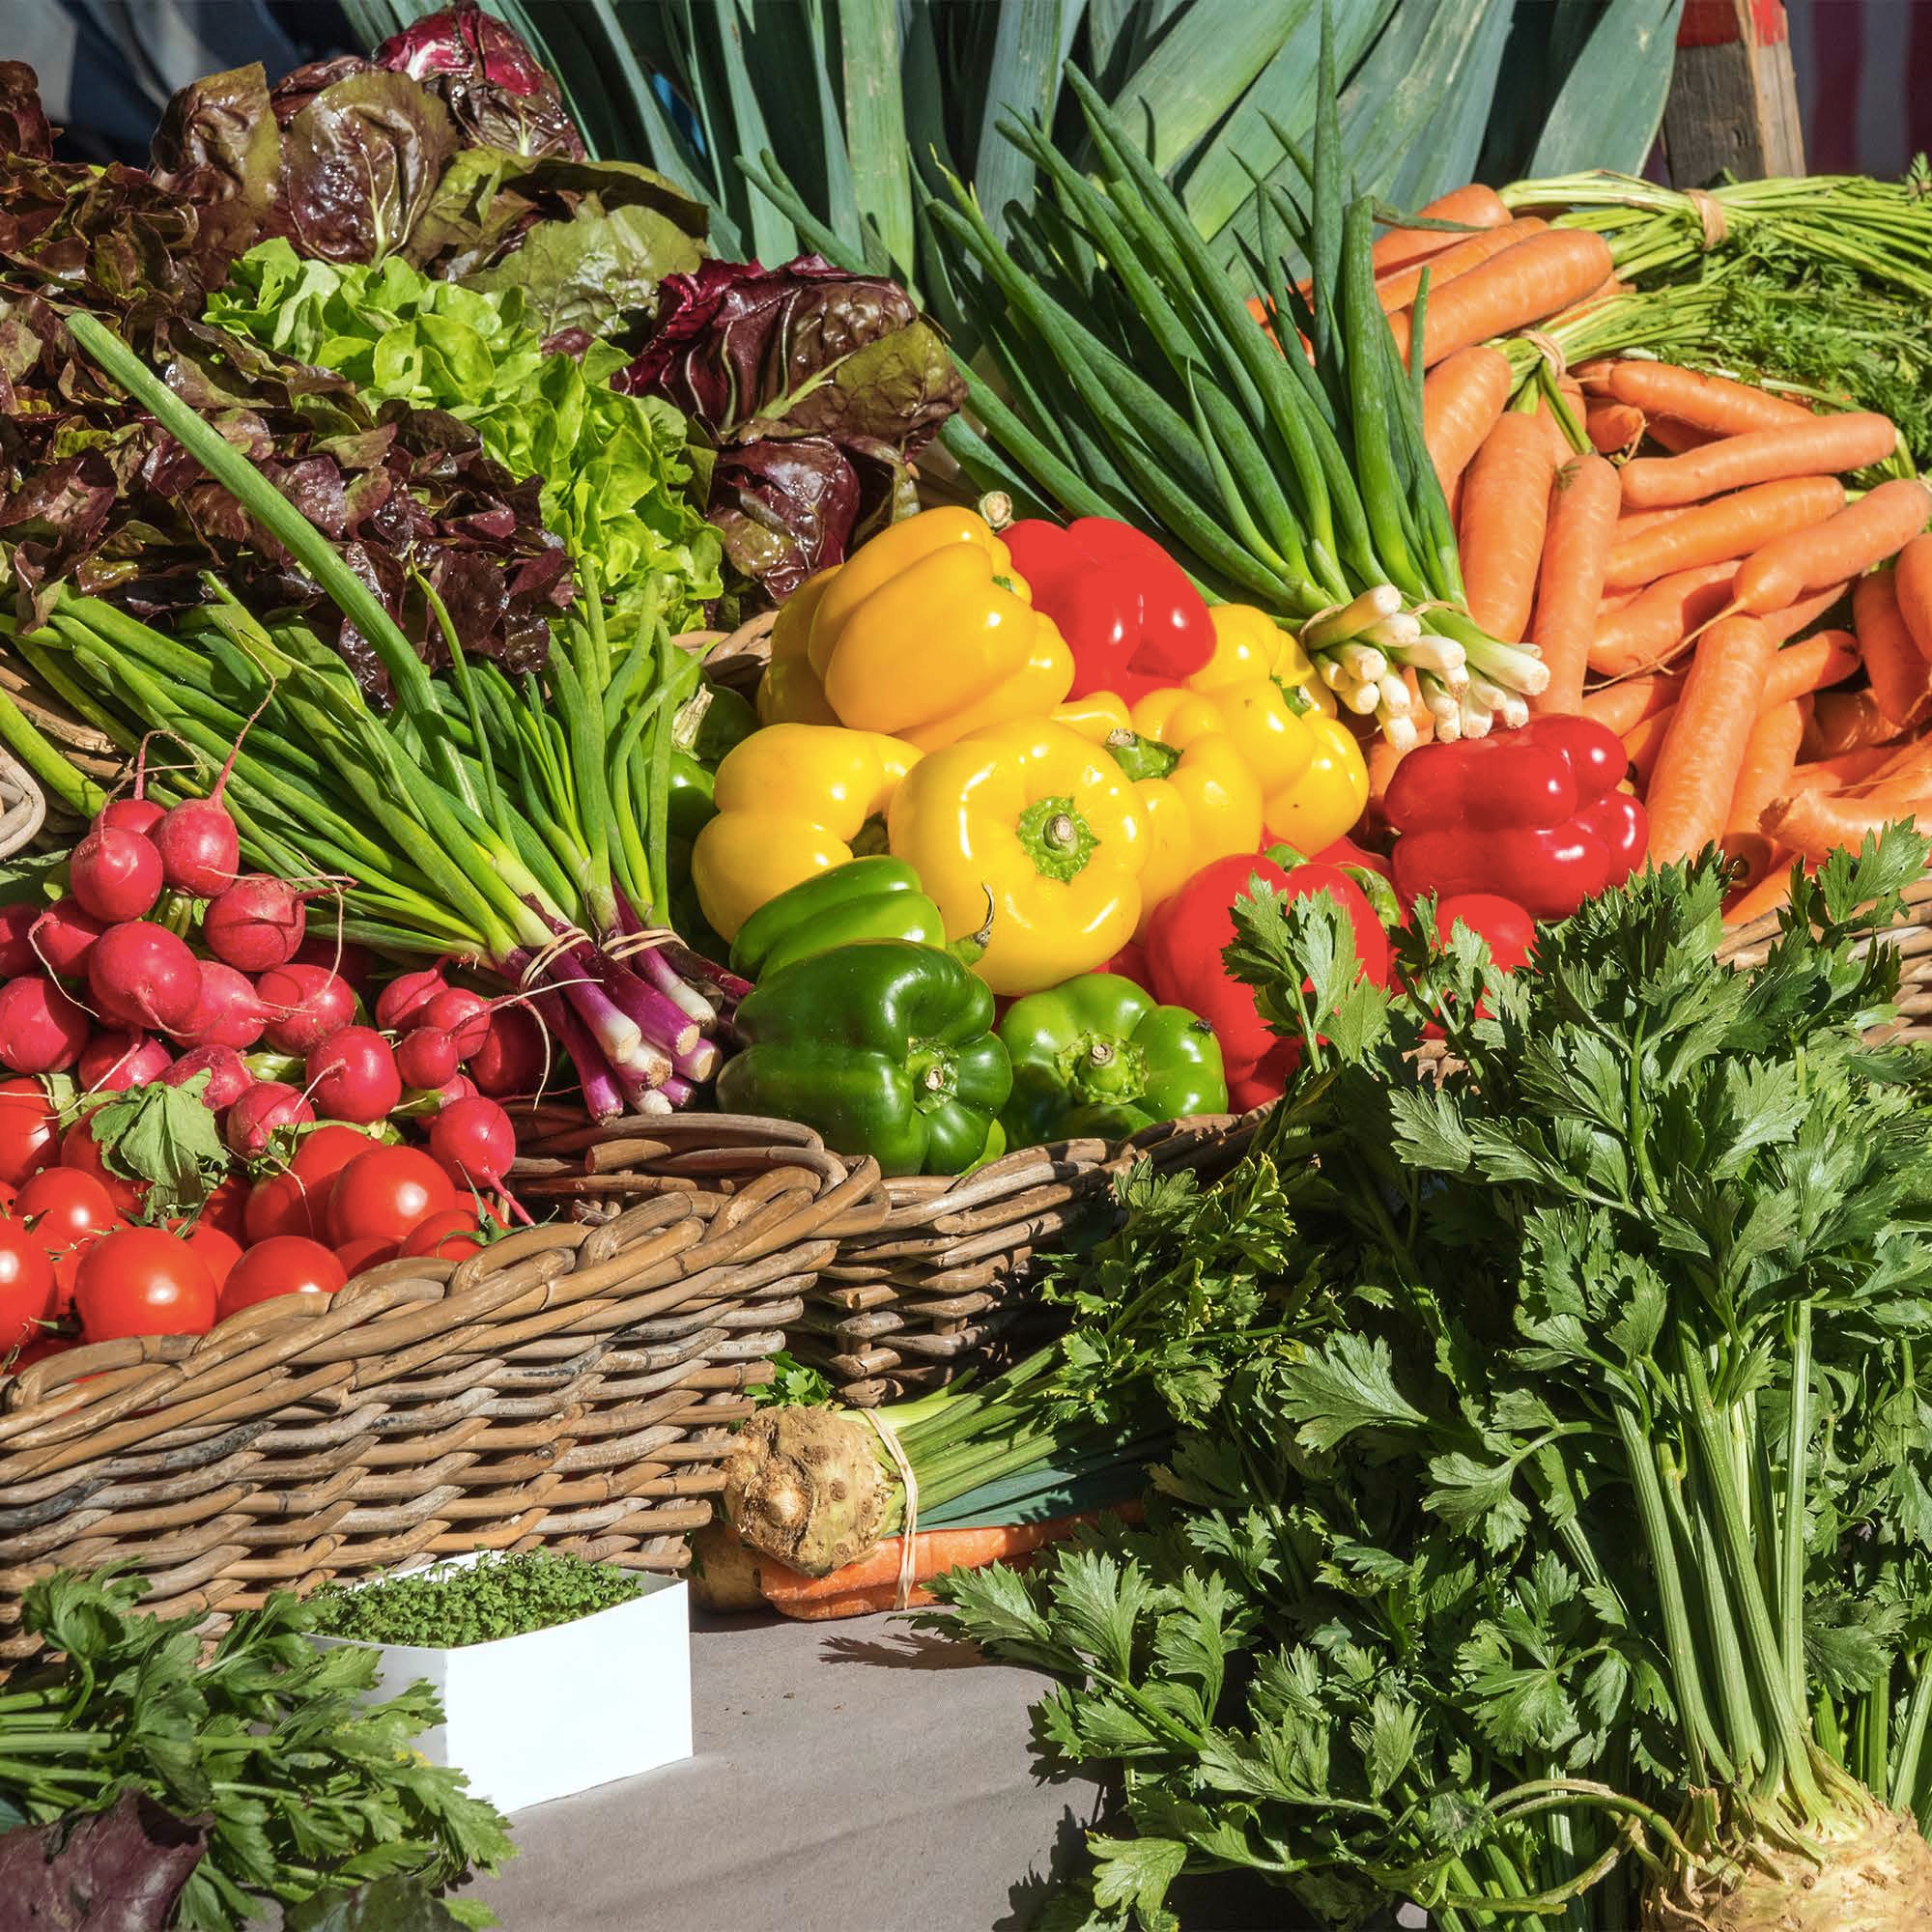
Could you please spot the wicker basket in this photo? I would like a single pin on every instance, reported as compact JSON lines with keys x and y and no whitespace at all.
{"x":571,"y":1385}
{"x":23,"y":809}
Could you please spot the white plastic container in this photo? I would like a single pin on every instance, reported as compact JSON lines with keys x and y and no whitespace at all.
{"x":557,"y":1711}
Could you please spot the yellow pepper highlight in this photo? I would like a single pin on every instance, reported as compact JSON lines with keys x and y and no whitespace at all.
{"x":792,"y":800}
{"x":1045,"y":823}
{"x":789,"y":692}
{"x":1249,"y":643}
{"x":1328,"y":799}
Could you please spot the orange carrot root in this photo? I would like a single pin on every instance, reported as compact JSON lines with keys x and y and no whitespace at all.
{"x":1461,"y":402}
{"x":1913,"y":586}
{"x":1623,"y":706}
{"x":1648,"y":629}
{"x":1505,"y":508}
{"x":1583,"y":521}
{"x":1901,"y":680}
{"x":1703,"y":750}
{"x":1819,"y":446}
{"x":1474,"y":206}
{"x":1847,"y":721}
{"x":1525,"y":284}
{"x":1711,"y":403}
{"x":1769,"y":754}
{"x":1878,"y":525}
{"x":1615,"y":428}
{"x":1818,"y":823}
{"x":1718,"y":532}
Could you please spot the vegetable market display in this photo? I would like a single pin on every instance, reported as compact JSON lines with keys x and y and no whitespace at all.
{"x":1370,"y":672}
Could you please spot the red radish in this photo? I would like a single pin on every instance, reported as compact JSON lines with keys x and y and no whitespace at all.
{"x":265,"y":1108}
{"x":228,"y":1075}
{"x":305,"y":1004}
{"x":130,"y":815}
{"x":227,"y":1013}
{"x":114,"y":1062}
{"x":255,"y":923}
{"x":352,"y":1076}
{"x":426,"y":1057}
{"x":199,"y":847}
{"x":144,"y":976}
{"x":460,"y":1086}
{"x":512,"y":1059}
{"x":355,"y":963}
{"x":115,"y":875}
{"x":17,"y":947}
{"x":401,"y":1002}
{"x":474,"y":1141}
{"x":42,"y":1031}
{"x":64,"y":935}
{"x":462,"y":1014}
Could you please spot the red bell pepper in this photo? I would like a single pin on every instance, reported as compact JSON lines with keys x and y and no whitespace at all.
{"x":1503,"y":926}
{"x":1531,"y":815}
{"x":1189,"y":932}
{"x":1128,"y":613}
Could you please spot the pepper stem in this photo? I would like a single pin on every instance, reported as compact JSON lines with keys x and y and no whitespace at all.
{"x":1056,"y":837}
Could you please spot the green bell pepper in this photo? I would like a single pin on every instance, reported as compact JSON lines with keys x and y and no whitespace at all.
{"x":863,"y":898}
{"x":1097,"y":1055}
{"x":886,"y":1047}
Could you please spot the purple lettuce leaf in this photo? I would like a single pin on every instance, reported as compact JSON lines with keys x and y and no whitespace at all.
{"x":216,"y":146}
{"x":118,"y":1870}
{"x":23,"y":122}
{"x":495,"y":88}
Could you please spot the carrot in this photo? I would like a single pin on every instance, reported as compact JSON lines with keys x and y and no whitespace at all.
{"x":1561,"y":448}
{"x":1799,"y":669}
{"x":1901,"y":680}
{"x":1613,"y":601}
{"x":1625,"y":706}
{"x":1582,"y":519}
{"x":1817,"y":823}
{"x":1780,"y":625}
{"x":1689,"y":396}
{"x":1398,"y":291}
{"x":1522,"y":285}
{"x":1505,"y":506}
{"x":1914,"y":587}
{"x":1878,"y":525}
{"x":1842,"y":769}
{"x":1474,"y":206}
{"x":1847,"y":721}
{"x":1820,"y":445}
{"x":1644,"y":742}
{"x":871,"y":1583}
{"x":1769,"y":894}
{"x":1703,"y":751}
{"x":1769,"y":753}
{"x":1613,"y":426}
{"x":1732,"y":526}
{"x":1679,"y":437}
{"x":1650,"y":627}
{"x":1461,"y":402}
{"x":1633,"y":523}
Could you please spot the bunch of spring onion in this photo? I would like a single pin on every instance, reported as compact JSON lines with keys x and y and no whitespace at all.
{"x":515,"y":825}
{"x":1134,"y":383}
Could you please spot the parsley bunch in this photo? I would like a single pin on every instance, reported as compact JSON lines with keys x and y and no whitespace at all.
{"x":496,"y":1597}
{"x":1573,"y":1560}
{"x":307,"y":1792}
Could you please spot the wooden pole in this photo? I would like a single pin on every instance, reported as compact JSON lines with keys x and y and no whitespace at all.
{"x":1733,"y":104}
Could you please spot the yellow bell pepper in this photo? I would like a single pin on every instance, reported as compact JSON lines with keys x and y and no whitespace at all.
{"x":927,"y":633}
{"x":1248,"y":643}
{"x":1045,"y":823}
{"x":1201,"y":797}
{"x":1329,"y":798}
{"x":792,"y":800}
{"x":789,"y":692}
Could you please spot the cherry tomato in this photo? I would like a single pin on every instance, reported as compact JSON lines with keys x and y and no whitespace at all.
{"x":143,"y":1281}
{"x":29,"y":1129}
{"x":386,"y":1194}
{"x":218,"y":1251}
{"x":67,"y":1270}
{"x":80,"y":1149}
{"x":451,"y":1236}
{"x":64,"y":1204}
{"x":282,"y":1265}
{"x":26,"y":1286}
{"x":355,"y":1256}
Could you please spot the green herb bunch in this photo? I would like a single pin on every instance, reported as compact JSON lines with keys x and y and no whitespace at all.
{"x":1581,"y":1565}
{"x":496,"y":1597}
{"x":308,"y":1790}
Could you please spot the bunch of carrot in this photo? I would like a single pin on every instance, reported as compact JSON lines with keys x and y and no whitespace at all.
{"x":1678,"y":545}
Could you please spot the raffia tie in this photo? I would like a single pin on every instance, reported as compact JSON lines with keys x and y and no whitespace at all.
{"x":1710,"y":217}
{"x":1550,"y":350}
{"x":908,"y":1552}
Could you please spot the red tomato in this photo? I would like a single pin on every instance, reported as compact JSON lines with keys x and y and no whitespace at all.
{"x":355,"y":1256}
{"x":143,"y":1281}
{"x":386,"y":1194}
{"x":226,"y":1207}
{"x":28,"y":1130}
{"x":278,"y":1203}
{"x":66,"y":1270}
{"x":282,"y":1265}
{"x":26,"y":1286}
{"x":64,"y":1203}
{"x":35,"y":1351}
{"x":80,"y":1150}
{"x":218,"y":1251}
{"x":451,"y":1236}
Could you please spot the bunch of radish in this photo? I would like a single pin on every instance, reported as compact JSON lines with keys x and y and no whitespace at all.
{"x":163,"y":961}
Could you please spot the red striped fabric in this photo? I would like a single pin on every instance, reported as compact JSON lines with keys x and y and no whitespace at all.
{"x":1864,"y":82}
